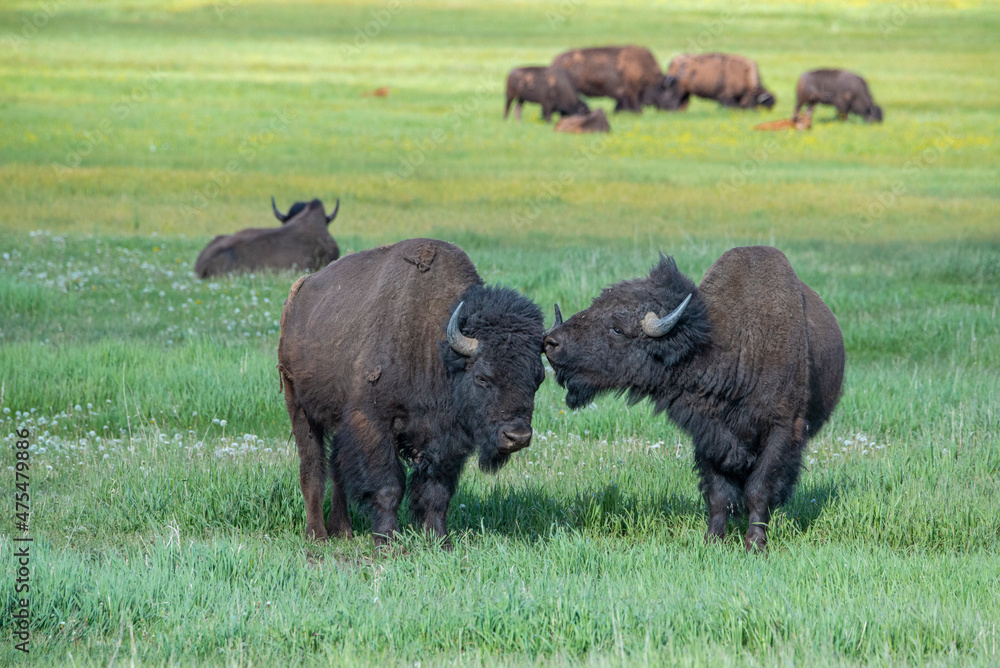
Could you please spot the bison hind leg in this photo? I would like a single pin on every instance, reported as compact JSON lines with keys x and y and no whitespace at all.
{"x":773,"y":478}
{"x":312,"y":465}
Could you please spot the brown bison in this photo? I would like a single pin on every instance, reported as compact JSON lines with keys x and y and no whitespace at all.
{"x":732,"y":80}
{"x":627,"y":74}
{"x":303,"y":241}
{"x":548,"y":86}
{"x":749,"y":363}
{"x":595,"y":121}
{"x":845,"y":90}
{"x":399,"y":355}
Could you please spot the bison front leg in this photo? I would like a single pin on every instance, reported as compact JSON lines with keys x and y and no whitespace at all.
{"x":429,"y":500}
{"x":721,"y":460}
{"x":339,"y":522}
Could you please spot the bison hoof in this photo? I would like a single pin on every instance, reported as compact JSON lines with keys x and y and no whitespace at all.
{"x":756,"y":540}
{"x":317,"y":534}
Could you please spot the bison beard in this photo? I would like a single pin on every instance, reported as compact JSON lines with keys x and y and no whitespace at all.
{"x":400,"y":355}
{"x":733,"y":366}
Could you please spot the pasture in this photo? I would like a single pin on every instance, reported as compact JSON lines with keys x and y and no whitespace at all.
{"x":166,"y":518}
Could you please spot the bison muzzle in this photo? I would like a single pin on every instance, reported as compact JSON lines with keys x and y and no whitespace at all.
{"x":749,"y":363}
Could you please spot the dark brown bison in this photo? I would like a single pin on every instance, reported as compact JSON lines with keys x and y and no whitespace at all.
{"x":731,"y":80}
{"x":401,"y":354}
{"x":845,"y":90}
{"x":749,"y":363}
{"x":548,"y":86}
{"x":595,"y":121}
{"x":627,"y":74}
{"x":303,"y":241}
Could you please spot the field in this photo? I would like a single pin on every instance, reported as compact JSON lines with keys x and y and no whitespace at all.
{"x":166,"y":519}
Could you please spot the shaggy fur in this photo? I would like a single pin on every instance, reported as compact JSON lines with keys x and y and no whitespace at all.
{"x":734,"y":372}
{"x":366,"y":368}
{"x":627,"y":74}
{"x":845,"y":90}
{"x":303,"y":241}
{"x":548,"y":86}
{"x":733,"y":81}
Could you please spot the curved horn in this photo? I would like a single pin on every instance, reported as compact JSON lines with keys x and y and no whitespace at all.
{"x":655,"y":327}
{"x":334,"y":214}
{"x":557,"y":322}
{"x":278,"y":214}
{"x":460,"y":343}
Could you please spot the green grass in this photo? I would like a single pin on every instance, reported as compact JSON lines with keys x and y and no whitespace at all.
{"x":167,"y":519}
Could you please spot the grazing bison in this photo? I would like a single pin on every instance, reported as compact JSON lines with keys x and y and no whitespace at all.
{"x":628,"y":74}
{"x":732,"y":80}
{"x":401,"y":354}
{"x":749,"y":363}
{"x":303,"y":241}
{"x":595,"y":121}
{"x":845,"y":90}
{"x":548,"y":86}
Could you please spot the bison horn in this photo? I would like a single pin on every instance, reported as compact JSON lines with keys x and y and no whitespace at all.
{"x":334,"y":214}
{"x":557,"y":322}
{"x":277,"y":214}
{"x":460,"y":343}
{"x":655,"y":327}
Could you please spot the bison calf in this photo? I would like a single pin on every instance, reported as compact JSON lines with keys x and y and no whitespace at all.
{"x":749,"y":364}
{"x":303,"y":241}
{"x":548,"y":86}
{"x":401,"y":354}
{"x":595,"y":121}
{"x":845,"y":90}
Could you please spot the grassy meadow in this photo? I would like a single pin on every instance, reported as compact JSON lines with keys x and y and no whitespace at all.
{"x":166,"y":517}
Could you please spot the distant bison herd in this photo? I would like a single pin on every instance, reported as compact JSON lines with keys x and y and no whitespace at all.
{"x":631,"y":77}
{"x":400,"y":358}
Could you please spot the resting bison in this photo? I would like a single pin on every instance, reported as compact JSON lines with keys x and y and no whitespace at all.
{"x":303,"y":241}
{"x":628,"y":74}
{"x":732,"y":80}
{"x":548,"y":86}
{"x":749,"y":363}
{"x":401,"y":354}
{"x":845,"y":90}
{"x":595,"y":121}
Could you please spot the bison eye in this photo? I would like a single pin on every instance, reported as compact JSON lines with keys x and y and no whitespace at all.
{"x":482,"y":381}
{"x":617,"y":331}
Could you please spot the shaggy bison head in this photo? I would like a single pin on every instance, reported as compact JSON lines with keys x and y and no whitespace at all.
{"x":493,"y":356}
{"x":299,"y":207}
{"x":874,"y":114}
{"x":631,"y":335}
{"x":667,"y":96}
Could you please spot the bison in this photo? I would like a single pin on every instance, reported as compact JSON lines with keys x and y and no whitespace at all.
{"x":749,"y":363}
{"x":732,"y":80}
{"x":303,"y":241}
{"x":595,"y":121}
{"x":548,"y":86}
{"x":627,"y":74}
{"x":845,"y":90}
{"x":399,"y":355}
